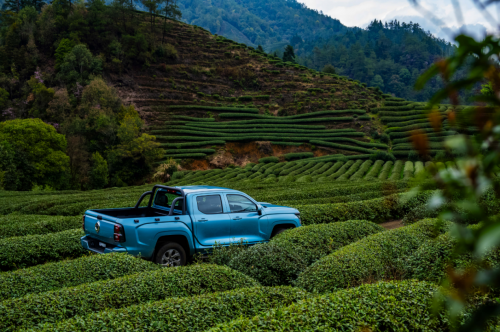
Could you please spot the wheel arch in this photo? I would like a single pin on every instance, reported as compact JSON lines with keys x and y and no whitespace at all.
{"x":180,"y":239}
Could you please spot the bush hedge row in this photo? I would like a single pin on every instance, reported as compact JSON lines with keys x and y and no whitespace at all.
{"x":215,"y":108}
{"x":396,"y":171}
{"x":24,"y":251}
{"x":377,"y":257}
{"x":85,"y":299}
{"x":22,"y":225}
{"x":341,"y":170}
{"x":191,"y":118}
{"x":376,"y":210}
{"x":353,"y":169}
{"x":231,"y":125}
{"x":362,"y":171}
{"x":280,"y":261}
{"x":429,"y":131}
{"x":185,"y":155}
{"x":69,"y":273}
{"x":341,"y":146}
{"x":269,"y":160}
{"x":312,"y":114}
{"x":291,"y":121}
{"x":408,"y":170}
{"x":177,"y":151}
{"x":384,"y":306}
{"x":298,"y":155}
{"x":259,"y":130}
{"x":198,"y":313}
{"x":374,"y":171}
{"x":324,"y":168}
{"x":405,"y":153}
{"x":386,"y":169}
{"x":393,"y":108}
{"x":191,"y":144}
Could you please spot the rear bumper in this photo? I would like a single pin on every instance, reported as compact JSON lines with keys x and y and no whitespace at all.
{"x":92,"y":244}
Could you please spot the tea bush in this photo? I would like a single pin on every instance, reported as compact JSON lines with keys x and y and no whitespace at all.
{"x":376,"y":257}
{"x":197,"y":313}
{"x":69,"y":273}
{"x":85,"y":299}
{"x":384,"y":306}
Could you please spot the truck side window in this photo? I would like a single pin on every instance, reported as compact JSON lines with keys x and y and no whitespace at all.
{"x":209,"y":204}
{"x":239,"y":203}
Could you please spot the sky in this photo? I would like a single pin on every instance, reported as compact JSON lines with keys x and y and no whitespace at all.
{"x":361,"y":12}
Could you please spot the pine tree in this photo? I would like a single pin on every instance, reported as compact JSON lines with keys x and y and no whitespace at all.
{"x":289,"y":54}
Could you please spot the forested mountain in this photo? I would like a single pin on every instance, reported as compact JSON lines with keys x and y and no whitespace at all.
{"x":390,"y":56}
{"x":270,"y":23}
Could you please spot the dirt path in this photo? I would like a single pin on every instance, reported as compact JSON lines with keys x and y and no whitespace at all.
{"x":392,"y":224}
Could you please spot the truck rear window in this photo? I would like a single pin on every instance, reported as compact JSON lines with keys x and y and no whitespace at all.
{"x":165,"y":198}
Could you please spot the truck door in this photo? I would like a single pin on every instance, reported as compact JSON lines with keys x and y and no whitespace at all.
{"x":246,"y":223}
{"x":211,"y":224}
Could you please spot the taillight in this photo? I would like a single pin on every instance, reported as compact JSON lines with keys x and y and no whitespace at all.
{"x":119,"y":233}
{"x":83,"y":223}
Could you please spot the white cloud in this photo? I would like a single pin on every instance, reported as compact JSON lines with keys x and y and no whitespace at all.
{"x":361,"y":12}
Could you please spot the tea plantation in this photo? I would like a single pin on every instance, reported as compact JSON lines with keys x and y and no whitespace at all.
{"x":223,"y":103}
{"x":339,"y":262}
{"x":233,"y":116}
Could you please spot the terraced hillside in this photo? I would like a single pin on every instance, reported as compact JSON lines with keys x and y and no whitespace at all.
{"x":219,"y":97}
{"x":222,"y":103}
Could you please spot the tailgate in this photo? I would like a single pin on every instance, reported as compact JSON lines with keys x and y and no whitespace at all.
{"x":100,"y":228}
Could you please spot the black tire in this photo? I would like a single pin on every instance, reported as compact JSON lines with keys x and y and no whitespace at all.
{"x":171,"y":254}
{"x":278,"y":231}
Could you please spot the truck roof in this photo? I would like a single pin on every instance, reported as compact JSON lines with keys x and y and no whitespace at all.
{"x":195,"y":189}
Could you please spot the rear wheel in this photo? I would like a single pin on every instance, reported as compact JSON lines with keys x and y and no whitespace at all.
{"x":170,"y":255}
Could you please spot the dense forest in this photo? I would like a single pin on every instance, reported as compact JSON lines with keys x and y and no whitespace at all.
{"x":270,"y":23}
{"x":69,"y":127}
{"x":390,"y":56}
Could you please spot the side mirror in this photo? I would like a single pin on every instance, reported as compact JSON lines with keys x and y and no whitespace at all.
{"x":259,"y":210}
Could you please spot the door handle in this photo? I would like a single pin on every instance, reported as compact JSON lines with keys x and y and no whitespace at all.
{"x":202,"y":220}
{"x":237,"y":218}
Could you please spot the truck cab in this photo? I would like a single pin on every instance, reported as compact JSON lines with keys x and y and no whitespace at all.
{"x":178,"y":222}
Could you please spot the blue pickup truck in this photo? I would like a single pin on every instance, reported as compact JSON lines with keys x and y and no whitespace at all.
{"x":181,"y":221}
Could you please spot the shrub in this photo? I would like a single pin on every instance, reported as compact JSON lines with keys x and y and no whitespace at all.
{"x":298,"y":155}
{"x":24,"y":251}
{"x":385,"y":306}
{"x":245,"y":98}
{"x":413,"y":155}
{"x":191,"y":144}
{"x":384,"y":138}
{"x":69,"y":273}
{"x":431,"y":261}
{"x":396,"y":171}
{"x":281,"y":260}
{"x":408,"y":170}
{"x":118,"y":293}
{"x":341,"y":146}
{"x":198,"y":313}
{"x":22,"y":225}
{"x":271,"y":159}
{"x":377,"y":210}
{"x":316,"y":241}
{"x":350,"y":171}
{"x":376,"y":257}
{"x":269,"y":264}
{"x":373,"y":173}
{"x":362,"y":170}
{"x":385,"y":170}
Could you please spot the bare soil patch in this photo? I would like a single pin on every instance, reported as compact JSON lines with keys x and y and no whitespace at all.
{"x":392,"y":224}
